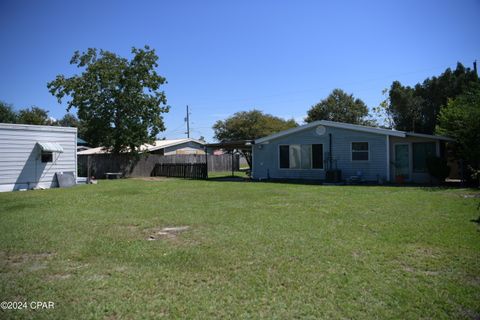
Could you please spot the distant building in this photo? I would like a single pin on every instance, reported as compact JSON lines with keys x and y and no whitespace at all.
{"x":162,"y":147}
{"x":82,"y":145}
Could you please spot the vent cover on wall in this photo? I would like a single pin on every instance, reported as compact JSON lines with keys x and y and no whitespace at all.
{"x":320,"y":130}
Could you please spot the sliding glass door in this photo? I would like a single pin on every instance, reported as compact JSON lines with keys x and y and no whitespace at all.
{"x":402,"y":160}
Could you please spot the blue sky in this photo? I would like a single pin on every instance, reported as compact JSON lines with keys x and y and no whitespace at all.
{"x":220,"y":57}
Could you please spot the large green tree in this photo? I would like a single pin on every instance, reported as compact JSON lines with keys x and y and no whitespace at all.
{"x":70,"y":120}
{"x":7,"y":114}
{"x":460,"y":119}
{"x":34,"y":115}
{"x":417,"y":108}
{"x":341,"y":107}
{"x":118,"y":100}
{"x":249,"y":125}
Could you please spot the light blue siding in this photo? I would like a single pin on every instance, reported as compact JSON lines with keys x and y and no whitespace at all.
{"x":266,"y":156}
{"x":418,"y":177}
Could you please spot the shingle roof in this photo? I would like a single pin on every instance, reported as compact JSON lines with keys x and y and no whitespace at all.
{"x":354,"y":127}
{"x":157,"y":145}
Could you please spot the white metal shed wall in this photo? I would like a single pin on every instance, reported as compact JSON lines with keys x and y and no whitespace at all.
{"x":20,"y":163}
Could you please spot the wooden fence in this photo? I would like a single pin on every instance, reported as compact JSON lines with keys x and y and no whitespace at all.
{"x":181,"y":170}
{"x":144,"y":165}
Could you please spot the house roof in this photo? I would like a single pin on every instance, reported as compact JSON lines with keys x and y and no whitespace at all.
{"x":421,"y":135}
{"x":157,"y":145}
{"x":161,"y":144}
{"x":16,"y":126}
{"x":348,"y":126}
{"x":80,"y":141}
{"x":98,"y":150}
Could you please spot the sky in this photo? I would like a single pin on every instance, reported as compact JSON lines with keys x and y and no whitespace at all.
{"x":221,"y":57}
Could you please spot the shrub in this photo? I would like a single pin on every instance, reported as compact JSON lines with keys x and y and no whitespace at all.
{"x":437,"y":167}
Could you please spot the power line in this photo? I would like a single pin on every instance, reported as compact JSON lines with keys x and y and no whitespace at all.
{"x":187,"y":120}
{"x":252,"y":99}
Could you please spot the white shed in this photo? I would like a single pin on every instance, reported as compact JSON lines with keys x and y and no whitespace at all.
{"x":30,"y":155}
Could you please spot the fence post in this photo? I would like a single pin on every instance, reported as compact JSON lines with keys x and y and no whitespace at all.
{"x":206,"y":162}
{"x":88,"y":169}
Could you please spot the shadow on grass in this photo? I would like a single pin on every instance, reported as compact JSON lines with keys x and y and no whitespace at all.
{"x":477,"y":221}
{"x":238,"y":178}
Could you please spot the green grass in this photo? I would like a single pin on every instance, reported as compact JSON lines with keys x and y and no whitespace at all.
{"x":254,"y":250}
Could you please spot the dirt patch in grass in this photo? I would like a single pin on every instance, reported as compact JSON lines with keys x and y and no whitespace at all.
{"x":422,"y":272}
{"x":59,"y":277}
{"x":426,"y":252}
{"x":170,"y":233}
{"x":472,"y":195}
{"x":166,"y":232}
{"x":468,"y":314}
{"x":34,"y":261}
{"x":420,"y":260}
{"x":96,"y":277}
{"x":473,"y":280}
{"x":150,"y":178}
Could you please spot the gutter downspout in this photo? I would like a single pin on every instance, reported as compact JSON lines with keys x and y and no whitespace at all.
{"x":388,"y":158}
{"x":330,"y":158}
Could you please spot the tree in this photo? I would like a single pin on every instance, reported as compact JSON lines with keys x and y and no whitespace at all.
{"x":339,"y":106}
{"x":417,"y":108}
{"x":250,"y":125}
{"x":119,"y":101}
{"x":7,"y":114}
{"x":382,"y":112}
{"x":459,"y":119}
{"x":68,"y":120}
{"x":34,"y":115}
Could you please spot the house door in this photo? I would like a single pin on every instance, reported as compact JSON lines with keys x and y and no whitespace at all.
{"x":402,"y":160}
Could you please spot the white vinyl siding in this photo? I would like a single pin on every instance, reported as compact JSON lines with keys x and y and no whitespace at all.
{"x":21,"y":165}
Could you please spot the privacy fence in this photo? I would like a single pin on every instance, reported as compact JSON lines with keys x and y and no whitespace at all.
{"x":181,"y":170}
{"x":148,"y":165}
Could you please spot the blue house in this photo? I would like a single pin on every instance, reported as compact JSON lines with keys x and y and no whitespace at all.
{"x":358,"y":152}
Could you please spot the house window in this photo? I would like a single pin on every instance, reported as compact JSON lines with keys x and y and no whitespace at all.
{"x":360,"y":151}
{"x":421,"y":151}
{"x":47,"y":156}
{"x":301,"y":156}
{"x":284,"y":157}
{"x":295,"y":156}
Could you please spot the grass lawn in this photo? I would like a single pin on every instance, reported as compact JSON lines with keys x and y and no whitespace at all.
{"x":253,"y":250}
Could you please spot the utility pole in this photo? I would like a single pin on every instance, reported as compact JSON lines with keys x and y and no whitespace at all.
{"x":475,"y":67}
{"x":187,"y":120}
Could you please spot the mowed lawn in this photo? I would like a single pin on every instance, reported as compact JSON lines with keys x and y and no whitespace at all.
{"x":252,"y":250}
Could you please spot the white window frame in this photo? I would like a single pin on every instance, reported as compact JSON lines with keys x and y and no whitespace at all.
{"x":351,"y":151}
{"x":311,"y":156}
